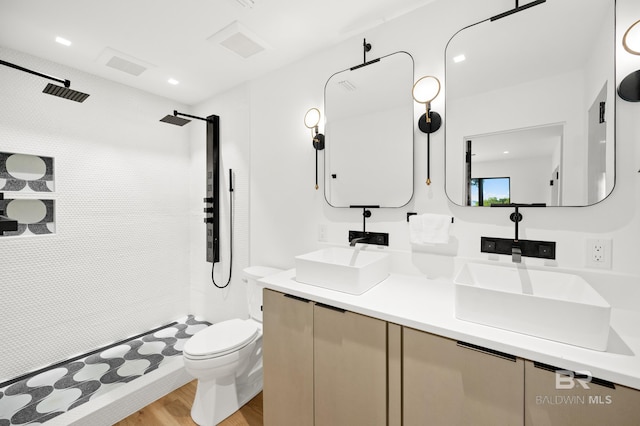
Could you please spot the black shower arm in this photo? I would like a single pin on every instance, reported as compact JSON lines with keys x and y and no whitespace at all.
{"x":66,"y":83}
{"x":176,"y":113}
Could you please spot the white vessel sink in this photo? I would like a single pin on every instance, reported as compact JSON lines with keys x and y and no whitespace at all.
{"x":552,"y":305}
{"x":350,"y":270}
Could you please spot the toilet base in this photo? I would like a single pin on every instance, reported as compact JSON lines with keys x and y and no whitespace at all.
{"x":225,"y":383}
{"x":217,"y":399}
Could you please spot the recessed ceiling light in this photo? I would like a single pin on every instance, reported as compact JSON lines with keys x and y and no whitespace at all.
{"x":173,"y":81}
{"x":459,"y":58}
{"x":505,"y":152}
{"x":63,"y":41}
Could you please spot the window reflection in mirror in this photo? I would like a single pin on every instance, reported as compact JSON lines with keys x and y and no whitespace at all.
{"x":487,"y":191}
{"x":529,"y":158}
{"x":543,"y":73}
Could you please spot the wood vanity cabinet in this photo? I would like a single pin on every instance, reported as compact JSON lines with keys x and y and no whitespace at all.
{"x":603,"y":403}
{"x":322,"y":365}
{"x":287,"y":355}
{"x":350,"y":368}
{"x":450,"y":383}
{"x":325,"y":366}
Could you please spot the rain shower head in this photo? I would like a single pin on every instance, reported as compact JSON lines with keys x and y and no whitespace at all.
{"x":178,"y":121}
{"x":172,"y":119}
{"x":65,"y":93}
{"x":51,"y":89}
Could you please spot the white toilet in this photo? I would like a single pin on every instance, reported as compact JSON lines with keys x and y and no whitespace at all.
{"x":226,"y":358}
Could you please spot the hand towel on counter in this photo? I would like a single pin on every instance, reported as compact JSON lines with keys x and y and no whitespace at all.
{"x":429,"y":229}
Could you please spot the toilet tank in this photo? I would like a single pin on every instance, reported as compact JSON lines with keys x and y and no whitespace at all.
{"x":254,"y":290}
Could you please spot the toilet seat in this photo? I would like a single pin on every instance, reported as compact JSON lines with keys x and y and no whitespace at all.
{"x":221,"y":339}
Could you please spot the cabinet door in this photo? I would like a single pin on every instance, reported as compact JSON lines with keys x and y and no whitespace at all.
{"x":557,"y":397}
{"x":288,"y":360}
{"x":350,"y":368}
{"x":450,"y":383}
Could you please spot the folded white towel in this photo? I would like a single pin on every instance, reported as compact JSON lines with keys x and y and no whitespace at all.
{"x":429,"y":228}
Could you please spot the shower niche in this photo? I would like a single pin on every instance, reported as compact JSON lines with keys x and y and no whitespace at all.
{"x":25,"y":181}
{"x":26,"y":173}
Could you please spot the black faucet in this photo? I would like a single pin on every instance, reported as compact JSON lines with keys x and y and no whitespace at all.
{"x":516,"y":247}
{"x":355,"y":241}
{"x":516,"y":251}
{"x":364,"y":237}
{"x":377,"y":238}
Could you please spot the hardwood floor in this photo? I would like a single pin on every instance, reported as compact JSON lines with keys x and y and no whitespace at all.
{"x":174,"y":410}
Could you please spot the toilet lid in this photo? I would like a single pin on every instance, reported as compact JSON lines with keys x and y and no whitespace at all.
{"x":221,"y":338}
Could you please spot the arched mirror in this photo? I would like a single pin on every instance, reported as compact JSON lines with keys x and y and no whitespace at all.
{"x":530,"y":107}
{"x":369,"y":134}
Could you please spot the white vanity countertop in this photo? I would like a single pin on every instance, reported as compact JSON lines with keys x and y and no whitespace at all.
{"x":428,"y":305}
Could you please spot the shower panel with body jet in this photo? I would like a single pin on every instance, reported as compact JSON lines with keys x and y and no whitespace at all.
{"x":212,"y":199}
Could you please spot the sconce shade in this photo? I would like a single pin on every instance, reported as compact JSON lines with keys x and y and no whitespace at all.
{"x":311,"y":121}
{"x":629,"y":88}
{"x":312,"y":118}
{"x":631,"y":39}
{"x":426,"y":89}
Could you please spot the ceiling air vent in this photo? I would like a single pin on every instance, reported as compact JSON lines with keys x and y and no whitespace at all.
{"x":123,"y":62}
{"x":246,"y":3}
{"x":238,"y":39}
{"x":347,"y":85}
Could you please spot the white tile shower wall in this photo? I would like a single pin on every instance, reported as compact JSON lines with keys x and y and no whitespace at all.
{"x":118,"y":263}
{"x":210,"y":302}
{"x":286,"y":211}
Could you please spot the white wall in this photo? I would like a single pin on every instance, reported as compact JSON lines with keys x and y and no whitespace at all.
{"x":213,"y":303}
{"x":128,"y":253}
{"x":286,"y":211}
{"x":118,"y":263}
{"x":598,"y":74}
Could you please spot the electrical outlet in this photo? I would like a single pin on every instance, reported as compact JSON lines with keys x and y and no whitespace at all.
{"x":599,"y":253}
{"x":322,"y":233}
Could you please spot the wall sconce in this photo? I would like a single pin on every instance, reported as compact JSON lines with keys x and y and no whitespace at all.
{"x":629,"y":88}
{"x":311,"y":121}
{"x":425,"y":90}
